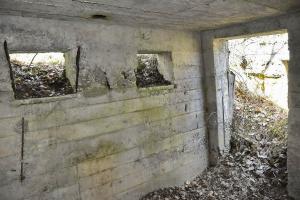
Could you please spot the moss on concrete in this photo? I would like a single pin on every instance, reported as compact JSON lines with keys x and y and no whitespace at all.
{"x":103,"y":149}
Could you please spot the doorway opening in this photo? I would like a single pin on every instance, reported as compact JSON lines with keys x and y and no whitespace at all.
{"x":258,"y":105}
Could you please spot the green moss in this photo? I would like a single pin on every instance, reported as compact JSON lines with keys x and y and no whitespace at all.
{"x":108,"y":147}
{"x":262,"y":76}
{"x":156,"y":90}
{"x":103,"y":149}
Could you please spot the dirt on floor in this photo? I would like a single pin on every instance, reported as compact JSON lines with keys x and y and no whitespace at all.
{"x":39,"y":80}
{"x":255,"y":168}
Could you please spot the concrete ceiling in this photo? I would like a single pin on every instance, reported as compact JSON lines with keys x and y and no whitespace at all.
{"x":183,"y":14}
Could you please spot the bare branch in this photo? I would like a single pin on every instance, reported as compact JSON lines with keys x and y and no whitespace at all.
{"x":32,"y":59}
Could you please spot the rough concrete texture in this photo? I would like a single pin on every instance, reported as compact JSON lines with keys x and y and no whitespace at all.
{"x":112,"y":140}
{"x":294,"y":112}
{"x":188,"y":14}
{"x":101,"y":143}
{"x":216,"y":72}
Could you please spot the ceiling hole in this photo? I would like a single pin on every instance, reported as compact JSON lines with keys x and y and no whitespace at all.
{"x":98,"y":17}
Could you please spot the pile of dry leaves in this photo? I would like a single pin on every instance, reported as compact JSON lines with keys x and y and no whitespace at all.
{"x":39,"y":80}
{"x":256,"y":166}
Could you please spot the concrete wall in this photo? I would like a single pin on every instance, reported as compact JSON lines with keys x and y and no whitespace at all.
{"x":101,"y":143}
{"x":294,"y":109}
{"x":216,"y":73}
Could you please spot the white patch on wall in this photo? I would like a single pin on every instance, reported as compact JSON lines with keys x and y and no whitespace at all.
{"x":258,"y":63}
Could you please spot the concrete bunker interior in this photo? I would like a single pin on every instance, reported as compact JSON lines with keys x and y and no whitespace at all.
{"x":111,"y":139}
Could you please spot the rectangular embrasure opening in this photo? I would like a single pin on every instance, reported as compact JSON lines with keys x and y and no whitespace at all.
{"x":154,"y":69}
{"x":37,"y":75}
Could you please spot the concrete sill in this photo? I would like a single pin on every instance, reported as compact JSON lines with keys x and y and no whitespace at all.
{"x":43,"y":100}
{"x":157,"y":88}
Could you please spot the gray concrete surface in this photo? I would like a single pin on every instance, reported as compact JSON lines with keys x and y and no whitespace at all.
{"x":122,"y":142}
{"x":101,"y":143}
{"x":188,"y":14}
